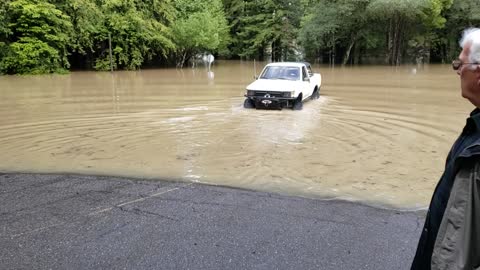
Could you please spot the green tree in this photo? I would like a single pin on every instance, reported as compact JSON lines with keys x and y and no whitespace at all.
{"x":4,"y":19}
{"x":331,"y":24}
{"x":200,"y":26}
{"x":461,"y":15}
{"x":429,"y":33}
{"x":88,"y":24}
{"x":319,"y":28}
{"x":288,"y":15}
{"x":89,"y":30}
{"x":234,"y":12}
{"x":261,"y":27}
{"x":40,"y":35}
{"x":399,"y":16}
{"x":138,"y":34}
{"x":4,"y":29}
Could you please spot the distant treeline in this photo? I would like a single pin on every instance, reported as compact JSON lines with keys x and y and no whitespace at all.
{"x":44,"y":36}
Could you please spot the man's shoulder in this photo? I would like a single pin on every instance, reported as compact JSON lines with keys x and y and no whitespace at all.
{"x":472,"y":149}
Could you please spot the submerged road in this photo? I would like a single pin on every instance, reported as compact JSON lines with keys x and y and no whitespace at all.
{"x":99,"y":222}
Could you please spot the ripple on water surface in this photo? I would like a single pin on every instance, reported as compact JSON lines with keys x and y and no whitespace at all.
{"x":376,"y":135}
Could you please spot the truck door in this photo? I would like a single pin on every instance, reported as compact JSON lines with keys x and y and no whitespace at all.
{"x":306,"y":86}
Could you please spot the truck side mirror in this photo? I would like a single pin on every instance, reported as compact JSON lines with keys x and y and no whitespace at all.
{"x":255,"y":77}
{"x":306,"y":79}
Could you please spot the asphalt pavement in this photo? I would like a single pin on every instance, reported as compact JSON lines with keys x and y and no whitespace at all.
{"x":100,"y":222}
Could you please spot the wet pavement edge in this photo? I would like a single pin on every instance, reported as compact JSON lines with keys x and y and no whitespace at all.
{"x":100,"y":222}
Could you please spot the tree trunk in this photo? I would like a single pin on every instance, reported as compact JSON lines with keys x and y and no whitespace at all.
{"x":399,"y":41}
{"x":181,"y":59}
{"x":395,"y":40}
{"x":393,"y":57}
{"x":333,"y":50}
{"x":389,"y":42}
{"x":346,"y":56}
{"x":357,"y":54}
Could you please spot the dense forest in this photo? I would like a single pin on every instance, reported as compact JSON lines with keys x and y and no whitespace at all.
{"x":45,"y":36}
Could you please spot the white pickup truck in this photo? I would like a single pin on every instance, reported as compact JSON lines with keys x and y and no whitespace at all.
{"x":283,"y":84}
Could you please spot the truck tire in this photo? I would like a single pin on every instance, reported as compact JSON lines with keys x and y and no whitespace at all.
{"x":315,"y":94}
{"x":298,"y":105}
{"x":248,"y":104}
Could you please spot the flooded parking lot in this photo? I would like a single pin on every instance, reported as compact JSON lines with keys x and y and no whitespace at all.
{"x":379,"y":135}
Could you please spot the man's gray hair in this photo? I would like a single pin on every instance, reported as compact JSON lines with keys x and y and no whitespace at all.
{"x":472,"y":36}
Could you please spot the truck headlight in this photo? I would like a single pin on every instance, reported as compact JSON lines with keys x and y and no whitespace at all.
{"x":289,"y":94}
{"x":250,"y":93}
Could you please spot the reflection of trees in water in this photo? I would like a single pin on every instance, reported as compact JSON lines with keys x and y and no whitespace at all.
{"x":197,"y":76}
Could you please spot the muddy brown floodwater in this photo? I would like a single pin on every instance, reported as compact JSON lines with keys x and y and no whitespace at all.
{"x":378,"y":134}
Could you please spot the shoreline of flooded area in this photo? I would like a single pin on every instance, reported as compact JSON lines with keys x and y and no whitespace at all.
{"x":377,"y":135}
{"x":110,"y":217}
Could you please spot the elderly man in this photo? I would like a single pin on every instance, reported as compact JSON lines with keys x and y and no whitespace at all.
{"x":451,"y":235}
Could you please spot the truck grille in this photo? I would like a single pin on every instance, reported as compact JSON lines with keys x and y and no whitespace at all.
{"x":263,"y":93}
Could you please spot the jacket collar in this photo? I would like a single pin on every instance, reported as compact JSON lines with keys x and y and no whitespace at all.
{"x":473,"y":122}
{"x":472,"y":126}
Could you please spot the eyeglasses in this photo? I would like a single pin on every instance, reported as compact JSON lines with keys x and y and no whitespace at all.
{"x":457,"y":63}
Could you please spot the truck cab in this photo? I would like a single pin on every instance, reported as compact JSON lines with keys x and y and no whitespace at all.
{"x":283,"y":85}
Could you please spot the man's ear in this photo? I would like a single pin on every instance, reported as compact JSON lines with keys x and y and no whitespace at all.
{"x":477,"y":72}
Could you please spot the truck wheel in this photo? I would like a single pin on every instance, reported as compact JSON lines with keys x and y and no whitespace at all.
{"x":298,"y":105}
{"x":315,"y":94}
{"x":248,"y":104}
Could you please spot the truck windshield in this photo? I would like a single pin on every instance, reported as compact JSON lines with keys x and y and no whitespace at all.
{"x":281,"y":73}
